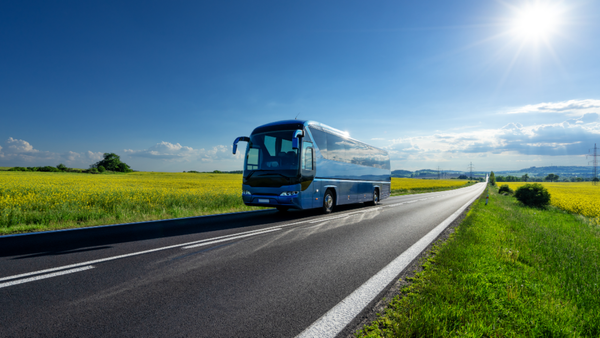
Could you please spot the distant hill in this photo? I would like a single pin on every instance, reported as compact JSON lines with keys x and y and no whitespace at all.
{"x":532,"y":172}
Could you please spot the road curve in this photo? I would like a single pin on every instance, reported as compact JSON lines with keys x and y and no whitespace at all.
{"x":258,"y":274}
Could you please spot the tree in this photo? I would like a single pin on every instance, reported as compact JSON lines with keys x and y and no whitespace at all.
{"x":524,"y":178}
{"x":461,"y":177}
{"x":492,"y":178}
{"x":551,"y":177}
{"x":112,"y":162}
{"x":62,"y":167}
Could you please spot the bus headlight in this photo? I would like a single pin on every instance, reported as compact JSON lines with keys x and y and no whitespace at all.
{"x":289,"y":193}
{"x":246,"y":193}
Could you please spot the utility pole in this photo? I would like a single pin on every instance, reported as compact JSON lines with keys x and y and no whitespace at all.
{"x":594,"y":162}
{"x":471,"y":170}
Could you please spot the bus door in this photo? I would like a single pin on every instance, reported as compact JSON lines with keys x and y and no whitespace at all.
{"x":307,"y":171}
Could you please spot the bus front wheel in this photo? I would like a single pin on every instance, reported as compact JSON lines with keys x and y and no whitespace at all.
{"x":328,"y":202}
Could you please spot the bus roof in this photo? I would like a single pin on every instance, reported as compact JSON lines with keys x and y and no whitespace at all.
{"x":299,"y":124}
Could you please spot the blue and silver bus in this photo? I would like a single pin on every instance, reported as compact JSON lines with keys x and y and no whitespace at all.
{"x":306,"y":164}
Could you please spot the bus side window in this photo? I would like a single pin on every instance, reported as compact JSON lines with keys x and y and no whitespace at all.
{"x":308,"y":162}
{"x":252,"y":159}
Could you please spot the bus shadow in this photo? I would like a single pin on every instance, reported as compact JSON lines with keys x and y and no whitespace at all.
{"x":97,"y":238}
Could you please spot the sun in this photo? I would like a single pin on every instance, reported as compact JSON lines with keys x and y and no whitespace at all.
{"x":536,"y":21}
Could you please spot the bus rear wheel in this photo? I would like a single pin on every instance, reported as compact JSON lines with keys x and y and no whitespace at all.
{"x":375,"y":200}
{"x":328,"y":202}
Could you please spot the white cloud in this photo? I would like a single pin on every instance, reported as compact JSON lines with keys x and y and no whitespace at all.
{"x":573,"y":137}
{"x":571,"y":107}
{"x":175,"y":152}
{"x":94,"y":156}
{"x":21,"y":153}
{"x":71,"y":156}
{"x":16,"y":146}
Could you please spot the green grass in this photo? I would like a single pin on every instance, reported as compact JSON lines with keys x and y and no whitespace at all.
{"x":507,"y":271}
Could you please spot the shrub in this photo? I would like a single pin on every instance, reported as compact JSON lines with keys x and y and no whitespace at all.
{"x":101,"y":169}
{"x":533,"y":195}
{"x":505,"y":189}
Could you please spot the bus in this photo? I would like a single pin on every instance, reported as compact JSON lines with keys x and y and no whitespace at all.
{"x":297,"y":164}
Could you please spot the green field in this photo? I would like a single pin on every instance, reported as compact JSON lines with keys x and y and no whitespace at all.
{"x":507,"y":271}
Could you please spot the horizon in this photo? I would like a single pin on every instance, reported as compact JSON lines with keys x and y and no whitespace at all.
{"x":169,"y":86}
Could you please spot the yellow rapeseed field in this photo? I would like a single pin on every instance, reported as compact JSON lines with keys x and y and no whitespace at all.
{"x":415,"y":184}
{"x":578,"y":197}
{"x":32,"y":201}
{"x":37,"y":200}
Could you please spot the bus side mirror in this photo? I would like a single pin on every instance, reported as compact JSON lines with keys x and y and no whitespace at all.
{"x":295,"y":143}
{"x":241,"y":138}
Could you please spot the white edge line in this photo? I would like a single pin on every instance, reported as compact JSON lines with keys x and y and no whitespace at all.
{"x":55,"y":274}
{"x":336,"y":319}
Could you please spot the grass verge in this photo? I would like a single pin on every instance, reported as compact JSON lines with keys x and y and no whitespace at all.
{"x":507,"y":271}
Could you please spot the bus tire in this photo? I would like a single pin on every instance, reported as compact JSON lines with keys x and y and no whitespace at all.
{"x":375,"y":200}
{"x":328,"y":201}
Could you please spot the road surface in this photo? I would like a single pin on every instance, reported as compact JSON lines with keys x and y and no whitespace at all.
{"x":256,"y":274}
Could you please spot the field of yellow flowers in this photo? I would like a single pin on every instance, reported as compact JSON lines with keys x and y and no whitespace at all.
{"x":34,"y":201}
{"x":31,"y":201}
{"x":412,"y":185}
{"x":579,"y":197}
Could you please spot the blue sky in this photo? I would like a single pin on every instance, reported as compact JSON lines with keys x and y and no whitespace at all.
{"x":169,"y":85}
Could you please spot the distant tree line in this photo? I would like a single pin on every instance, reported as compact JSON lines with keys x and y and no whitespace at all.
{"x":548,"y":178}
{"x":111,"y":162}
{"x":214,"y":172}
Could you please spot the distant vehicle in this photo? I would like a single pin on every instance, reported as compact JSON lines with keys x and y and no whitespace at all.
{"x":306,"y":164}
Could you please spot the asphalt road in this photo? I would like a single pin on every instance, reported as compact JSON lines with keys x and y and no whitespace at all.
{"x":257,"y":274}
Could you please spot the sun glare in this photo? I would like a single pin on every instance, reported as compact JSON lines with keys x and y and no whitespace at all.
{"x":536,"y":21}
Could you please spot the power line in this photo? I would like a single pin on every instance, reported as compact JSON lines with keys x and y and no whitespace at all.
{"x":471,"y":170}
{"x":595,"y":164}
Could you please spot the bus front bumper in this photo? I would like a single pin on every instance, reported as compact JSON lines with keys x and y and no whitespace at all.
{"x":272,"y":201}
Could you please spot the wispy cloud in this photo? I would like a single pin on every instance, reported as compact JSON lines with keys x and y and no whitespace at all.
{"x":565,"y":107}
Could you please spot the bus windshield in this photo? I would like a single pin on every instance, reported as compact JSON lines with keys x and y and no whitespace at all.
{"x":272,"y":151}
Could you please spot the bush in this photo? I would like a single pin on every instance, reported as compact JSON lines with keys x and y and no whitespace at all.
{"x":505,"y":189}
{"x":533,"y":195}
{"x":101,"y":169}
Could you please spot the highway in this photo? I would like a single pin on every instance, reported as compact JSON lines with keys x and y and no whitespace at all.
{"x":254,"y":274}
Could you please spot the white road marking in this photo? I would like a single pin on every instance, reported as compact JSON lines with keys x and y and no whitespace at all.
{"x":54,"y":274}
{"x":229,"y":238}
{"x":102,"y":260}
{"x":336,"y":319}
